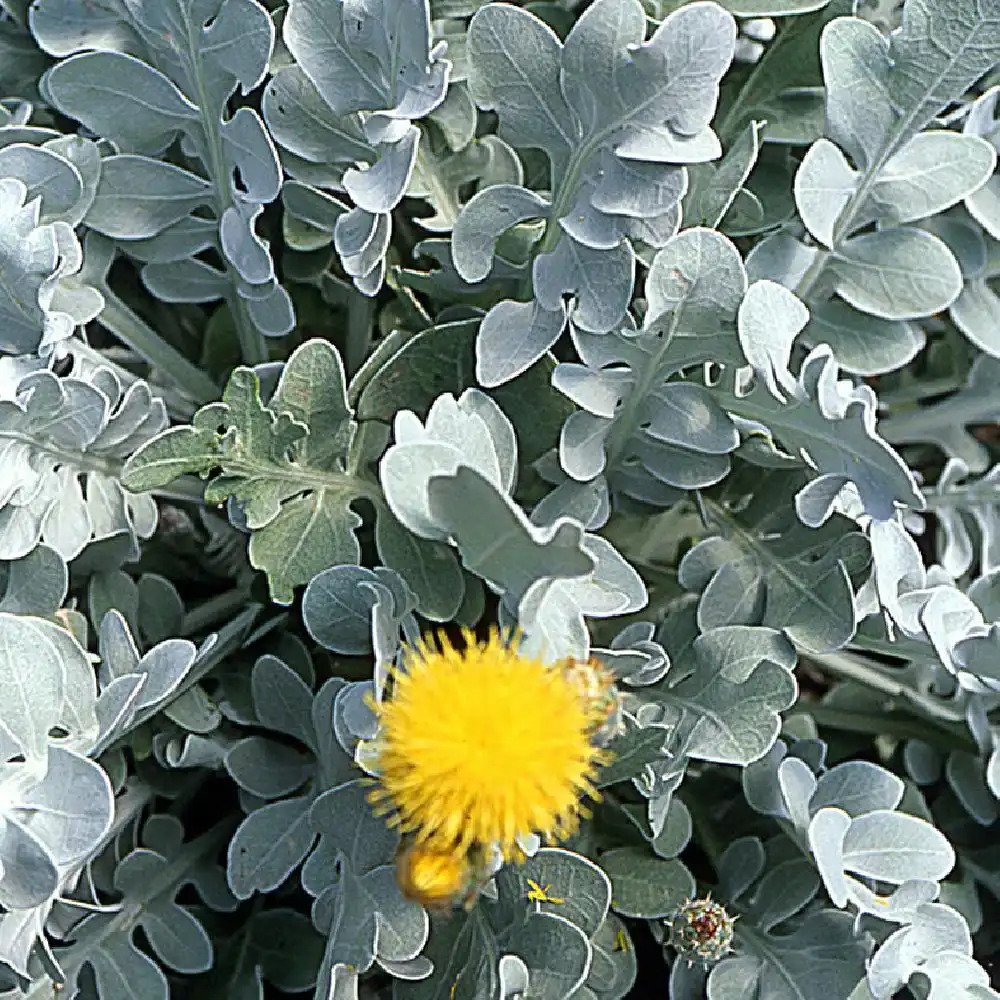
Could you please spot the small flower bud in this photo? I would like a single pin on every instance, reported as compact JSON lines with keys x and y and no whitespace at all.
{"x":701,"y":931}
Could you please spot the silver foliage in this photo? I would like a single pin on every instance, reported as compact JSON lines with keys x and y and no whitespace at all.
{"x":781,"y":453}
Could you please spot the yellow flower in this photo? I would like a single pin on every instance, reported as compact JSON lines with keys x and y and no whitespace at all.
{"x":481,"y":746}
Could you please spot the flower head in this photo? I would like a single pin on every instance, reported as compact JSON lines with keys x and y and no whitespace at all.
{"x":483,"y":746}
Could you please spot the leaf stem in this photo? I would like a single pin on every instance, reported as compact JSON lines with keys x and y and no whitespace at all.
{"x":563,"y":198}
{"x":727,"y":128}
{"x":246,"y":936}
{"x":253,"y":347}
{"x":845,"y":220}
{"x":907,"y":396}
{"x":444,"y":200}
{"x":301,"y":477}
{"x":977,"y":492}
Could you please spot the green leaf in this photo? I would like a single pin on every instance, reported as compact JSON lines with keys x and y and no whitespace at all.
{"x":178,"y":65}
{"x":556,"y":952}
{"x":139,"y":197}
{"x":824,"y":183}
{"x":881,"y":92}
{"x":773,"y":8}
{"x":485,"y":218}
{"x":865,"y":345}
{"x":286,"y":463}
{"x":614,"y":969}
{"x":268,"y":845}
{"x":171,"y":454}
{"x":714,"y":188}
{"x":351,"y":927}
{"x":945,"y":421}
{"x":726,"y":722}
{"x":942,"y":48}
{"x":429,"y":567}
{"x":531,"y":105}
{"x":931,"y":173}
{"x":49,"y":683}
{"x":834,"y":429}
{"x":464,"y":951}
{"x":286,"y":947}
{"x":820,"y":958}
{"x":643,"y":885}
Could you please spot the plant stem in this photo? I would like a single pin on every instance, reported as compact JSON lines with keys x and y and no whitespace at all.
{"x":702,"y":830}
{"x":443,"y":199}
{"x":870,"y":676}
{"x":219,"y":608}
{"x":919,"y":391}
{"x":360,"y":317}
{"x":966,"y":495}
{"x":890,"y":723}
{"x":938,"y":723}
{"x":735,"y":112}
{"x":253,"y":346}
{"x":246,"y":937}
{"x":149,"y":345}
{"x":846,"y":219}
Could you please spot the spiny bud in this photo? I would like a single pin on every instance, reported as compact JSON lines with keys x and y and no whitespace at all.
{"x":701,"y":930}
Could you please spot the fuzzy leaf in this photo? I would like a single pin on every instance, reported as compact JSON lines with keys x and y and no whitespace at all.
{"x":944,"y":422}
{"x":725,"y":720}
{"x":42,"y":301}
{"x":269,"y":844}
{"x":611,"y":110}
{"x":365,"y":71}
{"x":789,"y":577}
{"x":676,"y":436}
{"x":283,"y":462}
{"x":643,"y":885}
{"x":833,"y":427}
{"x":819,"y":958}
{"x":581,"y":886}
{"x":897,"y":274}
{"x":556,"y":952}
{"x":138,"y":76}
